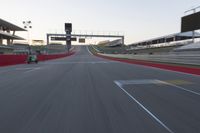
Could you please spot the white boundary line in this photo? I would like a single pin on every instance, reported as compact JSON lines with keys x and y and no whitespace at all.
{"x":28,"y":68}
{"x":179,"y":87}
{"x":89,"y":62}
{"x":143,"y":107}
{"x":34,"y":69}
{"x":154,"y":81}
{"x":89,"y":50}
{"x":95,"y":48}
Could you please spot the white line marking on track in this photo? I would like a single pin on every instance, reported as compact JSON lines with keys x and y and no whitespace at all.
{"x":34,"y":69}
{"x":28,"y":68}
{"x":79,"y":62}
{"x":143,"y":107}
{"x":95,"y":48}
{"x":89,"y":51}
{"x":154,"y":81}
{"x":179,"y":87}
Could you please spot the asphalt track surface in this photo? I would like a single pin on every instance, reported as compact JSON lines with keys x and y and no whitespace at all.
{"x":87,"y":94}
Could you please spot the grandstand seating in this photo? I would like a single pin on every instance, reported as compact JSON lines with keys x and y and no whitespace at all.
{"x":115,"y":43}
{"x":4,"y":49}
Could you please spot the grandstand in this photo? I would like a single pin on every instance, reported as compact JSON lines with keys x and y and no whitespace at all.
{"x":7,"y":32}
{"x":103,"y":43}
{"x":56,"y":48}
{"x":108,"y":43}
{"x":111,"y":47}
{"x":115,"y":43}
{"x":4,"y":49}
{"x":169,"y":40}
{"x":7,"y":36}
{"x":110,"y":50}
{"x":163,"y":44}
{"x":20,"y":48}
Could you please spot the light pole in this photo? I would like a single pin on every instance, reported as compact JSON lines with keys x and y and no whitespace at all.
{"x":27,"y":25}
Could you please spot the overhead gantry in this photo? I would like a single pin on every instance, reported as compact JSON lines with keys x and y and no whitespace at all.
{"x":68,"y":37}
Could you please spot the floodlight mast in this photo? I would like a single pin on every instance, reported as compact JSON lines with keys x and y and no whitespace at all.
{"x":194,"y":11}
{"x":28,"y":26}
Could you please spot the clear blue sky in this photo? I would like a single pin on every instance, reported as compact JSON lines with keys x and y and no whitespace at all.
{"x":138,"y":19}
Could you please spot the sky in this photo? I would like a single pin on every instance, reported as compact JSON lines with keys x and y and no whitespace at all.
{"x":137,"y":19}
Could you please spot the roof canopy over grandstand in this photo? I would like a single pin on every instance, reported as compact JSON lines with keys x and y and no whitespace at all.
{"x":7,"y":31}
{"x":168,"y":38}
{"x":9,"y":26}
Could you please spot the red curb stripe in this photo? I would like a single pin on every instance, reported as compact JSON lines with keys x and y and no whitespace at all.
{"x":195,"y":71}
